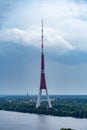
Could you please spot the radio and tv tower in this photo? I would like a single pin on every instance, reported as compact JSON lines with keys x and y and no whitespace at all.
{"x":42,"y":80}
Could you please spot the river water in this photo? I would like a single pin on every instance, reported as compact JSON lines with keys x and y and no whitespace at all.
{"x":25,"y":121}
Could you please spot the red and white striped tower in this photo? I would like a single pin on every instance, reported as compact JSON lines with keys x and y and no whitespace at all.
{"x":42,"y":81}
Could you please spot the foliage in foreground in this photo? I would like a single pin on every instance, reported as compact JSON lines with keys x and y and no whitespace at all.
{"x":66,"y":129}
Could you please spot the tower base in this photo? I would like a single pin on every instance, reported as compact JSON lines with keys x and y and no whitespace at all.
{"x":38,"y":104}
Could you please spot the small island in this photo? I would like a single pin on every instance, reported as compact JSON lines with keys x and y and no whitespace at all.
{"x":63,"y":106}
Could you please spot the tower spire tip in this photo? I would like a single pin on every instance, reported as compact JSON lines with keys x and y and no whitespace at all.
{"x":42,"y":33}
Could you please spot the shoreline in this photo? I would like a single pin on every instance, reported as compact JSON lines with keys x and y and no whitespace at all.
{"x":62,"y":107}
{"x":42,"y":114}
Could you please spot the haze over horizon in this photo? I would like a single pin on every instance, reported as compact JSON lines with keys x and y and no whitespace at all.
{"x":65,"y":46}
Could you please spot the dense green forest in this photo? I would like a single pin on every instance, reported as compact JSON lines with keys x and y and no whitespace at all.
{"x":73,"y":107}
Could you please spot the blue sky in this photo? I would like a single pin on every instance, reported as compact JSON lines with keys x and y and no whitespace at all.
{"x":65,"y":41}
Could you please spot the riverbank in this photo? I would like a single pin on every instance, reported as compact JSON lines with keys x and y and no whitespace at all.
{"x":63,"y":107}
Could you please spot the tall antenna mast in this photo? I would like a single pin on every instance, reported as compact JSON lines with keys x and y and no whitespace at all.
{"x":42,"y":81}
{"x":42,"y":34}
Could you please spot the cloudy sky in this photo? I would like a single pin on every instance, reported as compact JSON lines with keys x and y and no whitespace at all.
{"x":65,"y":46}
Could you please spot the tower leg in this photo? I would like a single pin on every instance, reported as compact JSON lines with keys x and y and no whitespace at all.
{"x":39,"y":98}
{"x":48,"y":99}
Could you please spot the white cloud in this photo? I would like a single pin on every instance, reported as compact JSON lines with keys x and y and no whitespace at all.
{"x":54,"y":39}
{"x":33,"y":37}
{"x":67,"y":19}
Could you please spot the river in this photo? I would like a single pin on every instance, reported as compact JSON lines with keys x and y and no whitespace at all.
{"x":25,"y":121}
